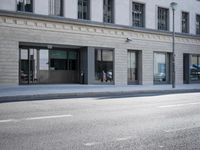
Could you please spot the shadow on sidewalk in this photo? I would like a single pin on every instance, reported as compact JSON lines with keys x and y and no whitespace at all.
{"x":98,"y":96}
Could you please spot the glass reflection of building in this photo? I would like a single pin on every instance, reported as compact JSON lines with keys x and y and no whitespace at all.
{"x":195,"y":68}
{"x":104,"y":66}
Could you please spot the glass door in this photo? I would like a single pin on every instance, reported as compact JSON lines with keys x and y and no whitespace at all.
{"x":28,"y":63}
{"x":132,"y":67}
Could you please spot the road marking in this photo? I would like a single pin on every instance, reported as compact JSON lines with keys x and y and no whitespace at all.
{"x":179,"y":105}
{"x":91,"y":144}
{"x":180,"y":129}
{"x":35,"y":118}
{"x":124,"y":138}
{"x":8,"y":120}
{"x":47,"y":117}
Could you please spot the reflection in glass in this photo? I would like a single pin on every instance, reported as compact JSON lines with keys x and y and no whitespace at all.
{"x":159,"y":67}
{"x":195,"y":68}
{"x":104,"y":65}
{"x":132,"y":66}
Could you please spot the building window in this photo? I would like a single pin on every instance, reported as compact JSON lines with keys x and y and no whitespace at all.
{"x":56,"y":7}
{"x":185,"y":22}
{"x":138,"y":14}
{"x":83,"y":9}
{"x":198,"y":24}
{"x":63,"y":60}
{"x":161,"y":68}
{"x":132,"y":61}
{"x":195,"y":68}
{"x":163,"y":18}
{"x":104,"y":66}
{"x":108,"y":11}
{"x":25,"y":5}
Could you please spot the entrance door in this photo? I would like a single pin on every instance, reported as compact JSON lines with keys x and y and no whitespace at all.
{"x":28,"y":66}
{"x":132,"y":67}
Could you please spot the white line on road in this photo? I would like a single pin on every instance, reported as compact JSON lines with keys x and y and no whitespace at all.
{"x":8,"y":120}
{"x":123,"y":138}
{"x":180,"y":129}
{"x":34,"y":118}
{"x":178,"y":105}
{"x":47,"y":117}
{"x":91,"y":144}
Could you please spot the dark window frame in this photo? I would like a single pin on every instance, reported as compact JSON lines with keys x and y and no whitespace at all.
{"x":138,"y":15}
{"x":163,"y":18}
{"x":53,"y":8}
{"x":185,"y":22}
{"x":104,"y":67}
{"x":108,"y":11}
{"x":20,"y":6}
{"x":198,"y":24}
{"x":85,"y":15}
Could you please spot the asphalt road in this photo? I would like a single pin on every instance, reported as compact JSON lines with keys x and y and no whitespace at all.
{"x":162,"y":122}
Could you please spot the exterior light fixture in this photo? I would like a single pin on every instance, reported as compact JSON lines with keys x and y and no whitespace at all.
{"x":173,"y":6}
{"x":49,"y":46}
{"x":128,"y":40}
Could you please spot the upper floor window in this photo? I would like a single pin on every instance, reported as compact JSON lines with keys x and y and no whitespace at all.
{"x":83,"y":9}
{"x":163,"y":18}
{"x":185,"y":22}
{"x":138,"y":14}
{"x":198,"y":24}
{"x":108,"y":11}
{"x":56,"y":7}
{"x":25,"y":5}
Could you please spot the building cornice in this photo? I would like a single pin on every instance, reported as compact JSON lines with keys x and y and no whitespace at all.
{"x":57,"y":19}
{"x":83,"y":27}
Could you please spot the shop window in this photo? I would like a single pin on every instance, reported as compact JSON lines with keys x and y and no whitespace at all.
{"x":132,"y":61}
{"x":104,"y":66}
{"x":63,"y":60}
{"x":195,"y":68}
{"x":25,"y":5}
{"x":161,"y":68}
{"x":58,"y":60}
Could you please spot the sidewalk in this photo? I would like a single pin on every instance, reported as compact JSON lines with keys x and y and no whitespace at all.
{"x":30,"y":92}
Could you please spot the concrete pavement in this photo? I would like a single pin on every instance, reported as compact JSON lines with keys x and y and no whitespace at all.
{"x":30,"y":92}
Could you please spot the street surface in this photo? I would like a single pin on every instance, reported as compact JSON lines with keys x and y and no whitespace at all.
{"x":157,"y":122}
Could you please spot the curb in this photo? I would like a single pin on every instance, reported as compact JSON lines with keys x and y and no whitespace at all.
{"x":109,"y":94}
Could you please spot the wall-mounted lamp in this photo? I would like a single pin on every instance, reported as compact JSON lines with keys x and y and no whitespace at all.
{"x":49,"y":46}
{"x":128,"y":40}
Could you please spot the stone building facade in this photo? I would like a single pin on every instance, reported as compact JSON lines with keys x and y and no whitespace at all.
{"x":98,"y":42}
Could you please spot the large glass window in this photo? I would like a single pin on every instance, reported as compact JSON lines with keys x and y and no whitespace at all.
{"x":197,"y":24}
{"x":185,"y":22}
{"x":161,"y":67}
{"x":63,"y":60}
{"x":83,"y":9}
{"x":104,"y":65}
{"x":56,"y":7}
{"x":108,"y":11}
{"x":25,"y":5}
{"x":132,"y":67}
{"x":163,"y":18}
{"x":195,"y":68}
{"x":138,"y":14}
